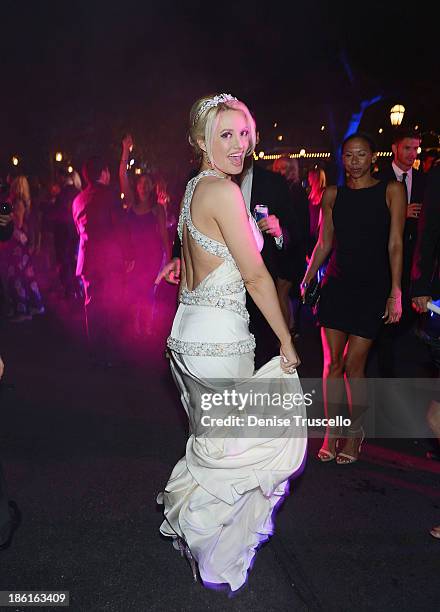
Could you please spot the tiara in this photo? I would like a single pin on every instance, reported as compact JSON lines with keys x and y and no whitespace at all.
{"x":215,"y":101}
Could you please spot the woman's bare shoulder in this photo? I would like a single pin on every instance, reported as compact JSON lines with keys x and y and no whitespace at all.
{"x":213,"y":190}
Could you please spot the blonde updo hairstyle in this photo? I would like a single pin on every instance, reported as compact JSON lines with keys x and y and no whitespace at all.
{"x":202,"y":126}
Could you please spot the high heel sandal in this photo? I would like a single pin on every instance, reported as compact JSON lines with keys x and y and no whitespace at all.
{"x":344,"y":458}
{"x":324,"y":455}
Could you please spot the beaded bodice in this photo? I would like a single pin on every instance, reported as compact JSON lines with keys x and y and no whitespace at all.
{"x":208,"y":244}
{"x":222,"y":289}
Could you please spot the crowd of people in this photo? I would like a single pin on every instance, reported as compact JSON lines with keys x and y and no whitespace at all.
{"x":73,"y":231}
{"x":249,"y":252}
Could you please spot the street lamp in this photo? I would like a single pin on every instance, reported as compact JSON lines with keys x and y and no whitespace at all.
{"x":396,"y":114}
{"x":58,"y":157}
{"x":15,"y":160}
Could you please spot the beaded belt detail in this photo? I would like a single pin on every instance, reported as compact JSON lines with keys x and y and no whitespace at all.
{"x":213,"y":297}
{"x":212,"y":349}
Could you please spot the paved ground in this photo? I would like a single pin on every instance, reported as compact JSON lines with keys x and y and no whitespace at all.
{"x":85,"y":453}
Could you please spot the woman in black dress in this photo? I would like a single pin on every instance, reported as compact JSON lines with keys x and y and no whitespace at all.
{"x":362,"y":226}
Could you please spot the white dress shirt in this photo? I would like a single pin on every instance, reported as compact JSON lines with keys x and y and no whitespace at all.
{"x":246,"y":186}
{"x":246,"y":190}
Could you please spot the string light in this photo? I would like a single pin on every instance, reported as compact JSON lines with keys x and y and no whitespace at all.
{"x":380,"y":130}
{"x":58,"y":157}
{"x":322,"y":128}
{"x":302,"y":154}
{"x":15,"y":160}
{"x":70,"y":169}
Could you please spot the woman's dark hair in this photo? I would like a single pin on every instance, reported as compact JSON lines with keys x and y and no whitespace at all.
{"x":363,"y":136}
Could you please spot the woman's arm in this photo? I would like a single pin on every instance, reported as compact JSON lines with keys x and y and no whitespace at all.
{"x":18,"y":214}
{"x":396,"y":199}
{"x":229,"y":212}
{"x":326,"y":232}
{"x":127,"y":145}
{"x":162,"y":222}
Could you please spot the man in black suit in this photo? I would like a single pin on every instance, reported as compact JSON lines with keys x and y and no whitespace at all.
{"x":65,"y":236}
{"x":405,"y":149}
{"x":103,"y":257}
{"x":259,"y":186}
{"x":425,"y":277}
{"x":9,"y":513}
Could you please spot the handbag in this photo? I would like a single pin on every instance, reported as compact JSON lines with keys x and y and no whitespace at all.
{"x":313,"y":292}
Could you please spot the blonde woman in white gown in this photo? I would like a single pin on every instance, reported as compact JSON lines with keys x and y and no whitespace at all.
{"x":221,"y":495}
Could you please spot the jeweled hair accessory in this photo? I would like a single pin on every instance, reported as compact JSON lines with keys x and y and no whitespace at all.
{"x":215,"y":101}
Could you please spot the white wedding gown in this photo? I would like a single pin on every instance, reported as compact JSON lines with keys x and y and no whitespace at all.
{"x":222,"y":493}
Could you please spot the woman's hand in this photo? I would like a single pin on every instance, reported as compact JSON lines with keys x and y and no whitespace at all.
{"x":393,"y":309}
{"x":289,"y":357}
{"x":127,"y":145}
{"x":302,"y":289}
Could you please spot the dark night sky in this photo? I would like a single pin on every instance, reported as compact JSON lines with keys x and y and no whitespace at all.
{"x":77,"y":75}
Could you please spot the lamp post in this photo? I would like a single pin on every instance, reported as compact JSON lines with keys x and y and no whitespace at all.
{"x":396,"y":114}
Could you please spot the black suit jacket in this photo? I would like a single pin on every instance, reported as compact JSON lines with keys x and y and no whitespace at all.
{"x":425,"y":274}
{"x":271,"y":190}
{"x":417,"y":193}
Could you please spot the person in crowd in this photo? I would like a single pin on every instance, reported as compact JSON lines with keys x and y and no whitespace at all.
{"x":149,"y":239}
{"x":6,"y":231}
{"x":48,"y":222}
{"x":361,"y":288}
{"x":405,"y":146}
{"x":23,"y":291}
{"x":258,"y":186}
{"x":65,"y":235}
{"x":425,"y":277}
{"x":103,"y":258}
{"x":35,"y":216}
{"x":429,"y":160}
{"x":316,"y":180}
{"x":292,"y":259}
{"x":220,"y":497}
